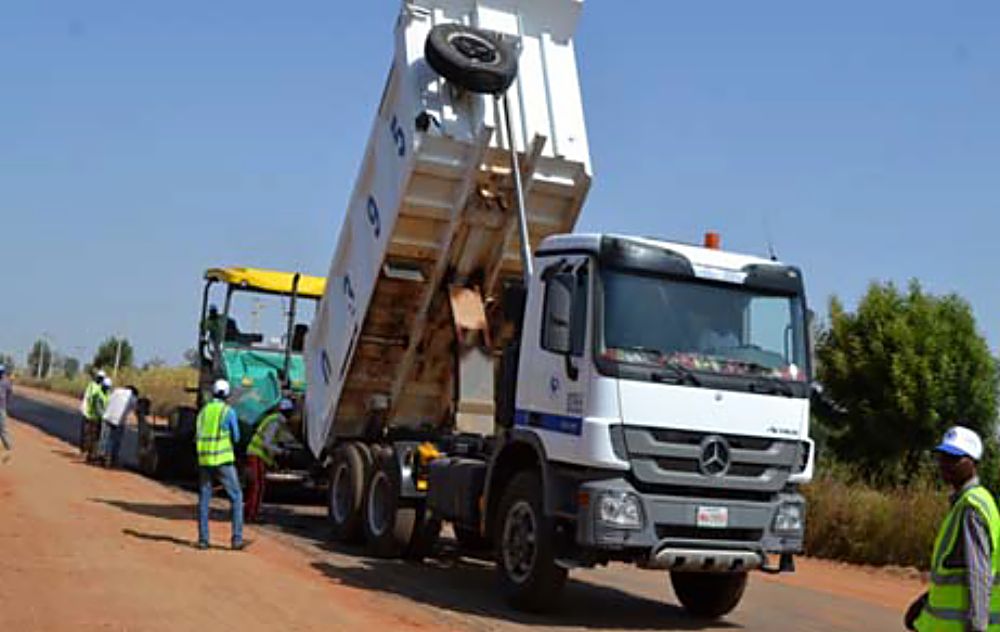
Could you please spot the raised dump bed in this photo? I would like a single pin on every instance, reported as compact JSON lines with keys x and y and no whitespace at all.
{"x":433,"y":208}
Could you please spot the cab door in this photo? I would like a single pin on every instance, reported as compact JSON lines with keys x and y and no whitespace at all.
{"x":555,"y":366}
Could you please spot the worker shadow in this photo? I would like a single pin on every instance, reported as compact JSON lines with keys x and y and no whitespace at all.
{"x":159,"y":537}
{"x":469,"y":589}
{"x":174,"y":511}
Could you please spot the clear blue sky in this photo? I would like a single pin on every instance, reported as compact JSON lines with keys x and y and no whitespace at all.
{"x":142,"y":142}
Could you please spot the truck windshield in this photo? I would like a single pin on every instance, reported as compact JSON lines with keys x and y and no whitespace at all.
{"x":702,"y":327}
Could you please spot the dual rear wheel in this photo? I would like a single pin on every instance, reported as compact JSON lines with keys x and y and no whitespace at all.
{"x":365,"y":505}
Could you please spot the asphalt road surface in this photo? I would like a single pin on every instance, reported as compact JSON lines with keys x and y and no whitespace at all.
{"x":447,"y":592}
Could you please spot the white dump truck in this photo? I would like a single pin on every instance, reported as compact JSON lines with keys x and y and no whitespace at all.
{"x":561,"y":400}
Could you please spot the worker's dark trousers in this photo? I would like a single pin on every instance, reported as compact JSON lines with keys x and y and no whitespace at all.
{"x":83,"y":434}
{"x":91,"y":439}
{"x":257,"y":471}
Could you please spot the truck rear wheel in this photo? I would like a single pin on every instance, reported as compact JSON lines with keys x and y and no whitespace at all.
{"x":709,"y":595}
{"x":424,"y":531}
{"x":526,"y":566}
{"x":349,"y":473}
{"x":387,"y":526}
{"x":149,"y":458}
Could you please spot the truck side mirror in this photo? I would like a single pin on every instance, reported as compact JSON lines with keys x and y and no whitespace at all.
{"x":558,"y":309}
{"x":811,"y":339}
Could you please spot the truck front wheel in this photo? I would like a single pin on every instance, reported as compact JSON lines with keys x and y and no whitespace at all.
{"x":709,"y":595}
{"x":526,"y":566}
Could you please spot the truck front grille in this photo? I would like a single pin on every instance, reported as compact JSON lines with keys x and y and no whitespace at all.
{"x":677,"y":459}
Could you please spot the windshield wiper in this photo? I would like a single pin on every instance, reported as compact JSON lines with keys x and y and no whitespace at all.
{"x":766,"y":384}
{"x":669,"y":372}
{"x":769,"y":385}
{"x":676,"y":374}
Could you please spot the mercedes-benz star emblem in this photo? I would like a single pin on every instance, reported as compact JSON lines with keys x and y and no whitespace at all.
{"x":715,"y":456}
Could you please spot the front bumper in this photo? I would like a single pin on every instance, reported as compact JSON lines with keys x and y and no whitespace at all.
{"x":670,"y":537}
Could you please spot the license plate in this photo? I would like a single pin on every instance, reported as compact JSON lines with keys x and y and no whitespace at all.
{"x":713,"y":517}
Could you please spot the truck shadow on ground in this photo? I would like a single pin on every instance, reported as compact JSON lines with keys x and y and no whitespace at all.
{"x":462,"y":585}
{"x":470,"y":590}
{"x":467,"y":586}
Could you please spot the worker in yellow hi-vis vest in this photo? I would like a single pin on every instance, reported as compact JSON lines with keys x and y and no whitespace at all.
{"x":264,"y":448}
{"x":217,"y":432}
{"x":965,"y":564}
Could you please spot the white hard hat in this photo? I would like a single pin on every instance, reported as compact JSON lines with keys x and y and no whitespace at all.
{"x":961,"y":441}
{"x":101,"y":374}
{"x":286,"y":405}
{"x":106,"y":382}
{"x":220,"y":388}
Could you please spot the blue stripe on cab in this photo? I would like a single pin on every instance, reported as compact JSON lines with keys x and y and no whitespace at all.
{"x":546,"y":421}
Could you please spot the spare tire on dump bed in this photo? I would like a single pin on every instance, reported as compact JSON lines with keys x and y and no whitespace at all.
{"x":474,"y":59}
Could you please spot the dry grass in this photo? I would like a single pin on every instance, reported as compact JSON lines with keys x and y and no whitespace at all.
{"x":165,"y":387}
{"x":851,"y":521}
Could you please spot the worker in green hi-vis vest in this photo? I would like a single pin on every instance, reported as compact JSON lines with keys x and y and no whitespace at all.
{"x":965,"y":564}
{"x":264,"y":448}
{"x":217,"y":432}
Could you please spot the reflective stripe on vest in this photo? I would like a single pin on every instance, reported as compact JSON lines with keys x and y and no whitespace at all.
{"x":948,"y":604}
{"x":215,"y":446}
{"x":257,"y":447}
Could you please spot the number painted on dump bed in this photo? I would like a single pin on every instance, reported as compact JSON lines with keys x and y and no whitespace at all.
{"x":374,"y":217}
{"x":325,"y":367}
{"x":399,"y":136}
{"x":349,"y":293}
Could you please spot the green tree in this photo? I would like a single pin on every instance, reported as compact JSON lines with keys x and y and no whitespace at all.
{"x":8,"y":361}
{"x":109,"y":350}
{"x":898,"y":371}
{"x":40,"y":359}
{"x":71,"y":367}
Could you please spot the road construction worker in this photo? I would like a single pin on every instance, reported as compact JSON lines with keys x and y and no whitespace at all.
{"x":963,"y":594}
{"x":6,"y":393}
{"x":121,"y":404}
{"x":96,"y":405}
{"x":217,"y":432}
{"x":216,"y":331}
{"x":264,"y":448}
{"x":92,"y":385}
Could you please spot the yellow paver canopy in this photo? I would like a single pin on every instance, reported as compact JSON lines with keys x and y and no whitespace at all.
{"x":271,"y":281}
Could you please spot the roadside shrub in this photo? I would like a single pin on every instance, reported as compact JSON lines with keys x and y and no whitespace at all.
{"x":851,"y":520}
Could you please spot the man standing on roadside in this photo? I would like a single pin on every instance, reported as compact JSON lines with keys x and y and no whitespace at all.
{"x":121,"y":404}
{"x":6,"y":392}
{"x":97,"y":404}
{"x":262,"y":452}
{"x":88,"y":392}
{"x":965,"y":561}
{"x":217,"y":432}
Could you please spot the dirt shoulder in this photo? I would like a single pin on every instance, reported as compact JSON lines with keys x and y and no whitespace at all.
{"x":86,"y":548}
{"x":82,"y":547}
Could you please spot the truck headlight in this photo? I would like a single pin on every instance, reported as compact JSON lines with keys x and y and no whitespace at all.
{"x":790,"y":518}
{"x":620,"y":509}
